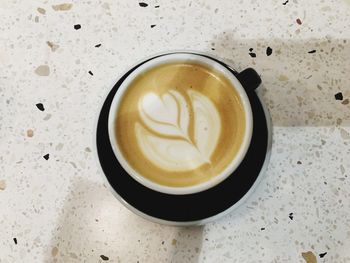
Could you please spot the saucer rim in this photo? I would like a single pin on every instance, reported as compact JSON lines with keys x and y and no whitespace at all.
{"x":206,"y":219}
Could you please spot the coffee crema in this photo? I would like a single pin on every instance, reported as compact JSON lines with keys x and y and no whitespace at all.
{"x":180,"y":124}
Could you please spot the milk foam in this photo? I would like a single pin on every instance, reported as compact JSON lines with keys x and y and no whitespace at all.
{"x":163,"y":135}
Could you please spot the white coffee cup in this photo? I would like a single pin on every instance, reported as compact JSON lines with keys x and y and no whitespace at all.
{"x":189,"y":58}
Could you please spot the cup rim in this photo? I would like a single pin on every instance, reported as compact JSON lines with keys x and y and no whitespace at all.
{"x":165,"y":59}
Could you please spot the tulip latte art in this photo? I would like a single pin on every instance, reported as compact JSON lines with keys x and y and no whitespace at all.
{"x":180,"y":124}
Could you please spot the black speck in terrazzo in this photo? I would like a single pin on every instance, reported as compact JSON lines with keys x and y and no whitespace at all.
{"x":322,"y":254}
{"x":338,"y":96}
{"x":104,"y":258}
{"x":46,"y":156}
{"x":98,"y":45}
{"x":291,"y":216}
{"x":152,"y":26}
{"x":40,"y":106}
{"x":268,"y":51}
{"x":212,"y":48}
{"x":206,"y":239}
{"x":325,"y":183}
{"x":286,"y":2}
{"x":298,"y":21}
{"x":15,"y":240}
{"x":77,"y":27}
{"x":263,"y":228}
{"x":253,"y":55}
{"x":312,"y":51}
{"x":162,"y":242}
{"x":251,"y":49}
{"x":298,"y":162}
{"x":157,"y":6}
{"x":90,"y":72}
{"x":143,"y":4}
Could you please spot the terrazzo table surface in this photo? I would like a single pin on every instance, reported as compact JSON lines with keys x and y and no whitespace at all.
{"x":54,"y":206}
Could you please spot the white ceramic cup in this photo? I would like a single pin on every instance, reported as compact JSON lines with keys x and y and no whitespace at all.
{"x":189,"y":58}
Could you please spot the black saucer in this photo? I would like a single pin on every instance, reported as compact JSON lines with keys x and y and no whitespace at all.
{"x":192,"y":207}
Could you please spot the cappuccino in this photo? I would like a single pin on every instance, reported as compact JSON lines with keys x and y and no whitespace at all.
{"x":180,"y":124}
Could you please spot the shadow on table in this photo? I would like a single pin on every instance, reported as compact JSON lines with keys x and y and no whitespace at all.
{"x":298,"y":88}
{"x":93,"y":223}
{"x":299,"y":79}
{"x":188,"y":245}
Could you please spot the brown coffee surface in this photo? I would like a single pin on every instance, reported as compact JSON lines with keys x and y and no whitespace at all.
{"x":180,"y":124}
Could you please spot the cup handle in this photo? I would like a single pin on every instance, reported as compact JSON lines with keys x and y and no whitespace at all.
{"x":249,"y":79}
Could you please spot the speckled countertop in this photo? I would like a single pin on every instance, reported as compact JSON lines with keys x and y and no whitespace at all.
{"x":54,"y":206}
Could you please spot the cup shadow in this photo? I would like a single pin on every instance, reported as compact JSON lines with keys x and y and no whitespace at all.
{"x":299,"y":89}
{"x":188,"y":244}
{"x":299,"y":79}
{"x":92,"y":223}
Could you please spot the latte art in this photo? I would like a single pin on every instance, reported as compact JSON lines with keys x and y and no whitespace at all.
{"x":179,"y":124}
{"x":168,"y":143}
